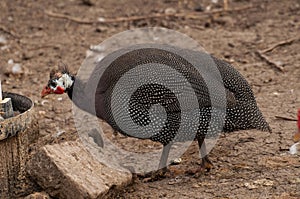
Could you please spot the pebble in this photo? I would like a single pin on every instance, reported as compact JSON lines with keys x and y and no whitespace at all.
{"x":264,"y":182}
{"x":176,"y":161}
{"x":276,"y":93}
{"x":14,"y":68}
{"x":250,"y":185}
{"x":42,"y":112}
{"x":10,"y":61}
{"x":59,"y":133}
{"x":97,"y":48}
{"x":170,"y":11}
{"x":294,"y":149}
{"x":2,"y":40}
{"x":101,"y":19}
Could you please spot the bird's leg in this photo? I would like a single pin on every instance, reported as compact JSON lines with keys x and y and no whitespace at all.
{"x":164,"y":158}
{"x":206,"y":163}
{"x":162,"y":167}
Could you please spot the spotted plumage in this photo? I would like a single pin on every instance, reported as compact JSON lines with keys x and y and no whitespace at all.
{"x":145,"y":103}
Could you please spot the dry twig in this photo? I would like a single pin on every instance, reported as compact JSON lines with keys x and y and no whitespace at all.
{"x":285,"y":118}
{"x":37,"y":46}
{"x":192,"y":15}
{"x":63,"y":16}
{"x":261,"y":53}
{"x":281,"y":43}
{"x":270,"y":61}
{"x":10,"y":32}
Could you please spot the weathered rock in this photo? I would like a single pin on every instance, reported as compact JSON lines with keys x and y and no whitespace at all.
{"x":67,"y":170}
{"x":38,"y":195}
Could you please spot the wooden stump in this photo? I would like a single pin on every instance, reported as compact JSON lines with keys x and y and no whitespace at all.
{"x":6,"y":109}
{"x":16,"y":135}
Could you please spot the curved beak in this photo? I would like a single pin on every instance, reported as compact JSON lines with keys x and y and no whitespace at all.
{"x":46,"y":91}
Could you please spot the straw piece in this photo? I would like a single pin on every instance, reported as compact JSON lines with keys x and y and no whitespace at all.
{"x":0,"y":92}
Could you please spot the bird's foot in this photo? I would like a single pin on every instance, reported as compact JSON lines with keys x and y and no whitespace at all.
{"x":205,"y":166}
{"x":154,"y":175}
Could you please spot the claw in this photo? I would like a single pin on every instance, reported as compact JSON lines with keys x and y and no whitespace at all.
{"x":155,"y":175}
{"x":206,"y":164}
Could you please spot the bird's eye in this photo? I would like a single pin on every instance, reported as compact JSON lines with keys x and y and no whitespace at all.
{"x":52,"y":84}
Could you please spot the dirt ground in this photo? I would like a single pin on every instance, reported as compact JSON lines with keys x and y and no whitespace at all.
{"x":248,"y":164}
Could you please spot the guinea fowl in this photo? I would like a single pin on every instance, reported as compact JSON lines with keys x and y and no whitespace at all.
{"x":241,"y":112}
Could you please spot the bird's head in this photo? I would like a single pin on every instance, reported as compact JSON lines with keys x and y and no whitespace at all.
{"x":60,"y":81}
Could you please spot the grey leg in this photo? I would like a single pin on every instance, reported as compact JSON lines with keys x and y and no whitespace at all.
{"x":164,"y":156}
{"x":162,"y":167}
{"x":206,"y":163}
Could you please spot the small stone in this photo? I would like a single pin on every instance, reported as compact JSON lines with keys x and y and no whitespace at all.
{"x":13,"y":68}
{"x":97,"y":48}
{"x":2,"y":40}
{"x":176,"y":161}
{"x":250,"y":185}
{"x":16,"y":69}
{"x":10,"y":61}
{"x":42,"y":112}
{"x":276,"y":93}
{"x":170,"y":11}
{"x":59,"y":133}
{"x":295,"y":181}
{"x":264,"y":182}
{"x":101,"y":19}
{"x":205,"y":184}
{"x":4,"y":47}
{"x":294,"y":149}
{"x":195,"y":185}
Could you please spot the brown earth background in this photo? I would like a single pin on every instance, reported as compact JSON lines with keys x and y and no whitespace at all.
{"x":247,"y":164}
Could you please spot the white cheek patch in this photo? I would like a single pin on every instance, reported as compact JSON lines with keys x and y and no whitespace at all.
{"x":65,"y":81}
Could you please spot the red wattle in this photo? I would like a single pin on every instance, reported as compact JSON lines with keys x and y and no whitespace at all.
{"x":59,"y":90}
